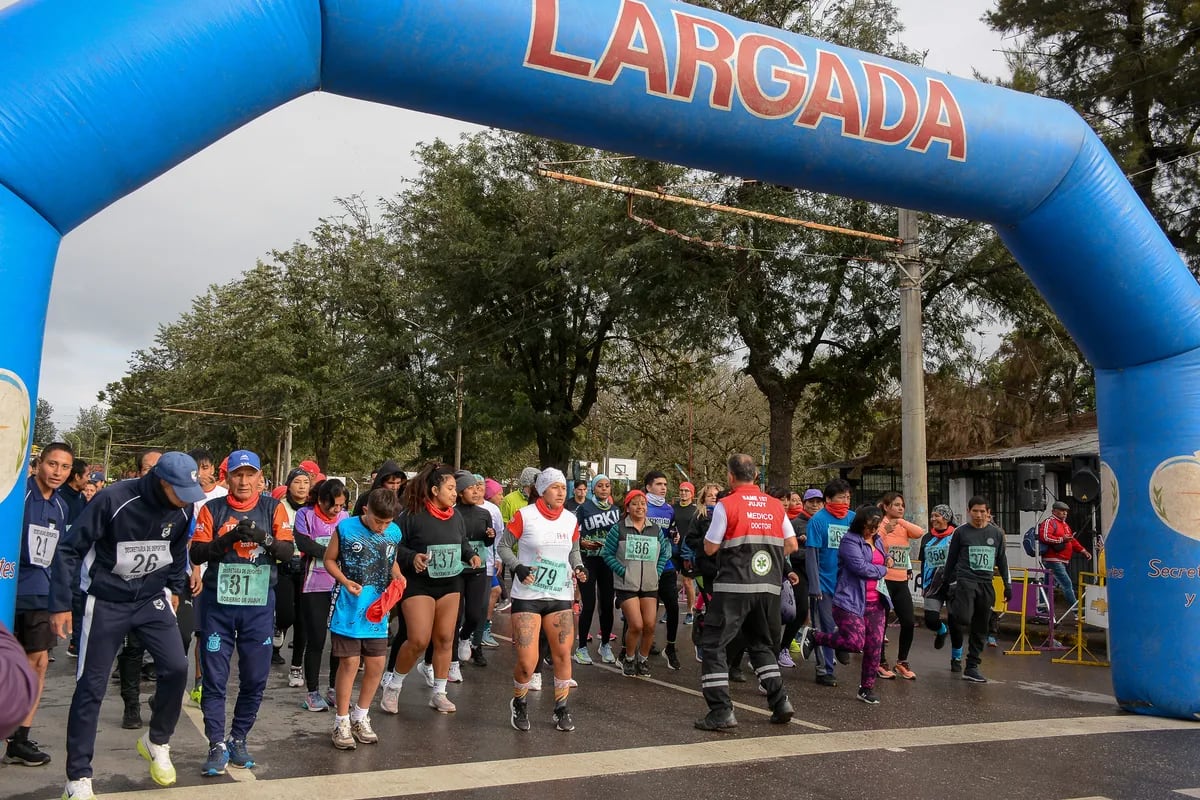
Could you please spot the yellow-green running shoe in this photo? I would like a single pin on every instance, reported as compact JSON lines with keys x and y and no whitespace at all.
{"x":159,"y":756}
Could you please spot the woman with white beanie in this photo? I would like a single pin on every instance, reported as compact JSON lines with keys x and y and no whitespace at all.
{"x":540,"y":547}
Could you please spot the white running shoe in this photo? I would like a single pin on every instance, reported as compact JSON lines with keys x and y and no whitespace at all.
{"x":455,"y":675}
{"x":440,"y":703}
{"x":606,"y":654}
{"x":464,"y":649}
{"x":295,"y":678}
{"x":389,"y":700}
{"x":159,"y":756}
{"x":535,"y":683}
{"x":343,"y":738}
{"x":78,"y":790}
{"x":426,"y":671}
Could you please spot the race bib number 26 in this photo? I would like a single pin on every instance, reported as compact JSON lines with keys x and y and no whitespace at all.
{"x":139,"y":559}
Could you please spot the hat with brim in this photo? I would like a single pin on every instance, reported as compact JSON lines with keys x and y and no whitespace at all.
{"x":180,"y":472}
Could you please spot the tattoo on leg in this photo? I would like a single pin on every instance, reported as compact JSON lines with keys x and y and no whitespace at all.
{"x":525,"y":630}
{"x":566,"y":631}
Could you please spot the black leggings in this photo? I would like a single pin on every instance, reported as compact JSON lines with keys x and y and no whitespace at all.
{"x":473,"y":608}
{"x":902,"y":604}
{"x":800,"y":590}
{"x":598,"y":585}
{"x":314,"y":621}
{"x":668,"y":593}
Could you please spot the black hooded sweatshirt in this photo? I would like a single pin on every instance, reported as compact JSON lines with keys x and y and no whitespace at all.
{"x":385,"y":471}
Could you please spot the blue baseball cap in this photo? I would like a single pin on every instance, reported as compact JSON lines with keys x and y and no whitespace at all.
{"x":813,"y":494}
{"x":243,"y":458}
{"x":179,"y":471}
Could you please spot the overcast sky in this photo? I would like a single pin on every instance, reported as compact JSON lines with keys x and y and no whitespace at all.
{"x":137,"y":264}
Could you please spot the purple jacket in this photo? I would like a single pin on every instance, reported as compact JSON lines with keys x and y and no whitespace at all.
{"x":18,"y":685}
{"x":854,"y":570}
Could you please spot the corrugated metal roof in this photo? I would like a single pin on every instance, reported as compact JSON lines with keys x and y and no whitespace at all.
{"x":1083,"y":443}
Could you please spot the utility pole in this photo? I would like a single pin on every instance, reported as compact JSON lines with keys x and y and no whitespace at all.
{"x":286,"y":465}
{"x":914,"y":465}
{"x":107,"y":449}
{"x":458,"y":394}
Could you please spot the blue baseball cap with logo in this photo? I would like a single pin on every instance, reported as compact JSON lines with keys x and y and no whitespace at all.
{"x":179,"y":470}
{"x":243,"y":458}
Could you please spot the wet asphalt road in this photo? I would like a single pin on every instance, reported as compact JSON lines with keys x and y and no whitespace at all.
{"x":923,"y":741}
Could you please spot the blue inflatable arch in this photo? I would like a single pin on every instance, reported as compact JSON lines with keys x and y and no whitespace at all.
{"x":97,"y":97}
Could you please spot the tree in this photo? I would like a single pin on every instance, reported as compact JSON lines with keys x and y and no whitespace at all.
{"x":1131,"y":69}
{"x":89,"y":433}
{"x":44,"y":431}
{"x":544,"y":292}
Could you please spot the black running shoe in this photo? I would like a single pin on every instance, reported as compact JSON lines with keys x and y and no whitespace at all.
{"x":737,"y":676}
{"x":806,"y":642}
{"x":654,"y":649}
{"x":628,"y":668}
{"x":562,"y":719}
{"x":25,"y":751}
{"x":868,"y":696}
{"x":843,"y":656}
{"x":520,"y":714}
{"x":643,"y":668}
{"x":826,"y":680}
{"x":956,"y":665}
{"x":974,"y":675}
{"x":717,"y":720}
{"x":132,"y":719}
{"x":782,"y":713}
{"x":672,"y":657}
{"x":939,"y":641}
{"x":477,"y":657}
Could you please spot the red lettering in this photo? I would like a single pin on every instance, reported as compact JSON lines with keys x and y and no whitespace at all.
{"x":651,"y":58}
{"x":751,"y":91}
{"x":877,"y":129}
{"x":943,"y":122}
{"x":824,"y":101}
{"x":718,"y":58}
{"x":543,"y":37}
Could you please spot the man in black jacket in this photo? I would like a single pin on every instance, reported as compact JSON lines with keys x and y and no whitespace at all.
{"x":132,"y":541}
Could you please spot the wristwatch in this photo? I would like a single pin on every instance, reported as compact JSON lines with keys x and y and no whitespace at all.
{"x":268,"y":540}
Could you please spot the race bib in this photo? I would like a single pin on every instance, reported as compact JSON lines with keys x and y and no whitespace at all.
{"x":836,"y":532}
{"x":139,"y":559}
{"x":42,"y":542}
{"x":480,"y":547}
{"x":901,"y":557}
{"x":550,"y":576}
{"x":243,"y":584}
{"x":639,"y":547}
{"x":935,"y":558}
{"x":445,"y":560}
{"x":982,"y":558}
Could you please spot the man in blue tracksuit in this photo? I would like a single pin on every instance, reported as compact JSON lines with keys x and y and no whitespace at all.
{"x":132,"y":543}
{"x":825,"y":531}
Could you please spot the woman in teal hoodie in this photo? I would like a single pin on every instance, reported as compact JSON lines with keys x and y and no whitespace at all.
{"x":637,"y":551}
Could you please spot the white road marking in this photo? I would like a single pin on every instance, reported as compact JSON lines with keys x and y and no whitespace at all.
{"x":752,"y":709}
{"x":724,"y":750}
{"x":1188,"y":792}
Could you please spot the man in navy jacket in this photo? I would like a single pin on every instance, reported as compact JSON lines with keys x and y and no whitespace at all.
{"x":132,"y":541}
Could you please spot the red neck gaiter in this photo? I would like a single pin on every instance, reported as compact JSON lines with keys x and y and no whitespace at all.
{"x":839,"y":510}
{"x":439,"y":513}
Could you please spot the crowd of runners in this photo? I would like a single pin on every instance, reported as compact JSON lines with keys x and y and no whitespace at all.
{"x":195,"y":554}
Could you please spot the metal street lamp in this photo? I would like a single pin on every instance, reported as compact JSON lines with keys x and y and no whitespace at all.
{"x":107,"y":449}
